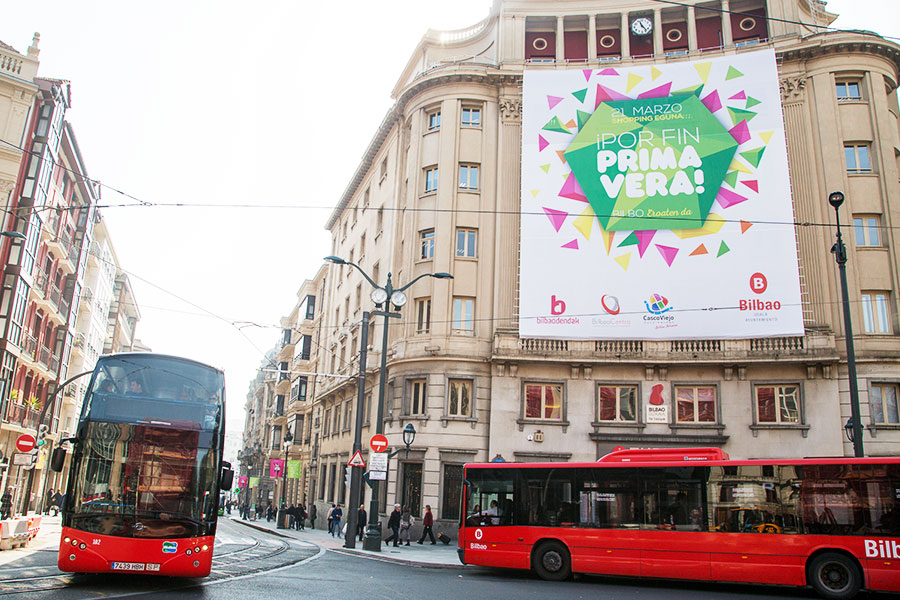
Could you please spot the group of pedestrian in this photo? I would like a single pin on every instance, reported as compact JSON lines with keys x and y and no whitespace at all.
{"x":54,"y":502}
{"x":401,"y":521}
{"x":297,"y":516}
{"x":334,"y":519}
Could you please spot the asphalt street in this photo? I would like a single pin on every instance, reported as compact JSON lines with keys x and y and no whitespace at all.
{"x":256,"y":564}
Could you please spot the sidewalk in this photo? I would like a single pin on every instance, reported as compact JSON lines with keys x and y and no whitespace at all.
{"x":439,"y":556}
{"x":47,"y":539}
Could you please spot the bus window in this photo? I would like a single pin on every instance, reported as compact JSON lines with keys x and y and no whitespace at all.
{"x":673,"y":498}
{"x":490,"y":497}
{"x":549,"y":498}
{"x":611,"y":500}
{"x":830,"y":500}
{"x":880,"y":488}
{"x":745,"y":499}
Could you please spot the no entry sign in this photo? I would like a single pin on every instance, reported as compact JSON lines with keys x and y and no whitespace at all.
{"x":25,"y":443}
{"x":378,"y":443}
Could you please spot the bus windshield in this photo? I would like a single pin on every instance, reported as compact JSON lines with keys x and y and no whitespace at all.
{"x":155,"y":391}
{"x":143,"y":481}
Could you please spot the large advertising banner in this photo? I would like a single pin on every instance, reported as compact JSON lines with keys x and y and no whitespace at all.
{"x":656,"y":203}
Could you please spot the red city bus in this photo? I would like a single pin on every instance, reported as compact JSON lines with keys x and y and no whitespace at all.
{"x":833,"y":524}
{"x":144,"y":480}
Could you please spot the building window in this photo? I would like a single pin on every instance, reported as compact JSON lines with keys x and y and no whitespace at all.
{"x":778,"y":404}
{"x":617,"y":403}
{"x":431,"y":179}
{"x":416,"y":397}
{"x":857,"y":156}
{"x":471,"y":117}
{"x":434,"y":120}
{"x":468,"y":177}
{"x":453,"y":483}
{"x":865,"y":228}
{"x":465,"y":242}
{"x":423,"y":315}
{"x":463,"y":310}
{"x":460,"y":402}
{"x":384,"y":166}
{"x":348,"y":412}
{"x":337,"y":419}
{"x":848,"y":91}
{"x":427,"y":238}
{"x":379,"y":223}
{"x":367,"y":406}
{"x":875,"y":312}
{"x":362,"y":246}
{"x":696,"y":404}
{"x":883,"y":403}
{"x":543,"y":401}
{"x":326,"y":422}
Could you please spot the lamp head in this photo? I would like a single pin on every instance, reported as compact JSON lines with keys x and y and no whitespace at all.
{"x":336,"y":260}
{"x":409,"y":434}
{"x":442,"y":275}
{"x":13,"y":234}
{"x":379,"y":296}
{"x":835,"y":199}
{"x":398,"y":299}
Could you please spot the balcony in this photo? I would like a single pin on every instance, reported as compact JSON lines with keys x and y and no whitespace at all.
{"x":29,"y":346}
{"x":22,"y":415}
{"x":815,"y":346}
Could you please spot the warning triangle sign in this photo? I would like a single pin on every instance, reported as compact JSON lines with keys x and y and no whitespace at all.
{"x":357,"y":460}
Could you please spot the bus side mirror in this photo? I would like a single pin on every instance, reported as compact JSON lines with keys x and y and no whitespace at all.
{"x":57,"y":459}
{"x":226,"y":479}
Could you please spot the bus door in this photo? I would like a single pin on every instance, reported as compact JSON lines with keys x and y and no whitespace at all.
{"x":673,"y":504}
{"x":491,"y":507}
{"x":610,"y":507}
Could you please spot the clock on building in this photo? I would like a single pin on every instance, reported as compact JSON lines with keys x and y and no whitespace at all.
{"x":642,"y":26}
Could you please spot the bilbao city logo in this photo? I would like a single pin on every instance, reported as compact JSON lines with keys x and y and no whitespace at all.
{"x":610,"y":304}
{"x":758,"y":285}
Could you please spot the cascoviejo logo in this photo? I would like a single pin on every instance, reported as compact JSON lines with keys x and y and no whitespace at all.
{"x":657,"y":305}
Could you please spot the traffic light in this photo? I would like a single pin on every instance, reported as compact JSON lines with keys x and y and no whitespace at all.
{"x":41,"y":435}
{"x":347,"y":477}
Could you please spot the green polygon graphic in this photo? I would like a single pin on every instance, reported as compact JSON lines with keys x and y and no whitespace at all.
{"x":751,"y":102}
{"x":731,"y":178}
{"x":696,"y":90}
{"x":754,"y":156}
{"x":723,"y":249}
{"x":733,"y":74}
{"x":580,"y":94}
{"x":739,"y":114}
{"x":555,"y":124}
{"x":582,"y":118}
{"x":651,"y":163}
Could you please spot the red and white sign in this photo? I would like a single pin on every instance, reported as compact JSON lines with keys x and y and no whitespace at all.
{"x":25,"y":443}
{"x":357,"y":460}
{"x":378,"y":443}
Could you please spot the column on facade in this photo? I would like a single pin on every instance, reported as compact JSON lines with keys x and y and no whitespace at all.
{"x":727,"y":39}
{"x":592,"y":37}
{"x":508,"y":199}
{"x":657,"y":31}
{"x":625,"y":36}
{"x":692,"y":28}
{"x":560,"y":39}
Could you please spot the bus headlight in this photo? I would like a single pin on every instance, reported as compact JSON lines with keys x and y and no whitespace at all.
{"x":205,"y":547}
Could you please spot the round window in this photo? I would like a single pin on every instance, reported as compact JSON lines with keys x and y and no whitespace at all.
{"x":539,"y":43}
{"x":747,"y":24}
{"x":607,"y":41}
{"x":674,"y":35}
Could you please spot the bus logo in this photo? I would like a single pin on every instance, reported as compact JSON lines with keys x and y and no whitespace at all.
{"x":478,"y":534}
{"x":882,"y":549}
{"x":170,"y":547}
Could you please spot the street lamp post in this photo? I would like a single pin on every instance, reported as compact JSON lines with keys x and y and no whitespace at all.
{"x":854,"y":426}
{"x":280,"y":514}
{"x":383,"y":296}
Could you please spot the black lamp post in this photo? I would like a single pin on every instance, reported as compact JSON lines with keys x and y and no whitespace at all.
{"x":280,"y":514}
{"x":854,"y":425}
{"x":384,"y":297}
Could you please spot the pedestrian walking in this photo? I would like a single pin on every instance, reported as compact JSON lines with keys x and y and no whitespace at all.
{"x":336,"y":515}
{"x":427,"y":524}
{"x":56,"y":503}
{"x":406,"y":522}
{"x":301,"y":510}
{"x":331,"y":520}
{"x":269,"y":512}
{"x":361,"y":519}
{"x":292,"y":516}
{"x":312,"y":516}
{"x":48,"y":500}
{"x":6,"y":503}
{"x":394,"y":526}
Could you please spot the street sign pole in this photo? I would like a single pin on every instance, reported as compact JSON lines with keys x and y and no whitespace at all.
{"x":356,"y":498}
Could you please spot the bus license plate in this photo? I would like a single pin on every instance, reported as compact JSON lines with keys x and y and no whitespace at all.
{"x":128,"y":566}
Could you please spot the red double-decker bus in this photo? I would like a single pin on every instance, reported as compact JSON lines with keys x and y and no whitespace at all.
{"x":145,"y":475}
{"x":833,"y":524}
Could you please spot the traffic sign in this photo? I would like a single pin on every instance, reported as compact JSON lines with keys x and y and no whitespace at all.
{"x":25,"y":442}
{"x":378,"y":462}
{"x":378,"y":443}
{"x":357,"y":460}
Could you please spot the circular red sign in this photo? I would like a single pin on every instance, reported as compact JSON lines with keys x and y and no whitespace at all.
{"x":758,"y":283}
{"x":25,"y":443}
{"x":378,"y":443}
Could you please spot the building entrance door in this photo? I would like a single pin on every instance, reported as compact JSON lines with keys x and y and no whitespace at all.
{"x":411,"y":488}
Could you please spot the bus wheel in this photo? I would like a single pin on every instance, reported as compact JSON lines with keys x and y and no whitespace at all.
{"x":552,"y":562}
{"x":834,"y":576}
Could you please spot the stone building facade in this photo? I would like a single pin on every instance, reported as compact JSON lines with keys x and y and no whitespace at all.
{"x":438,"y":190}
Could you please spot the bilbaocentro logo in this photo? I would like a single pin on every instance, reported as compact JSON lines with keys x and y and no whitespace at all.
{"x":610,"y":304}
{"x":557,"y":308}
{"x":758,"y":285}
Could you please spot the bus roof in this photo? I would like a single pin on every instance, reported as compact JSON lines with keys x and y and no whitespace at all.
{"x":141,"y":355}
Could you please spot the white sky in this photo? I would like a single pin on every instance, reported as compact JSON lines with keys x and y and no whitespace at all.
{"x":225,"y":102}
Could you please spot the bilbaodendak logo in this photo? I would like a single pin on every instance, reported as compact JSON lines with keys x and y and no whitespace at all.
{"x":557,"y":309}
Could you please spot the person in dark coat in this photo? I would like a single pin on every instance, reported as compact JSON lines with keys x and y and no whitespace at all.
{"x":301,"y":517}
{"x":427,"y":524}
{"x":361,"y":519}
{"x":312,"y":516}
{"x":6,"y":504}
{"x":394,"y":525}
